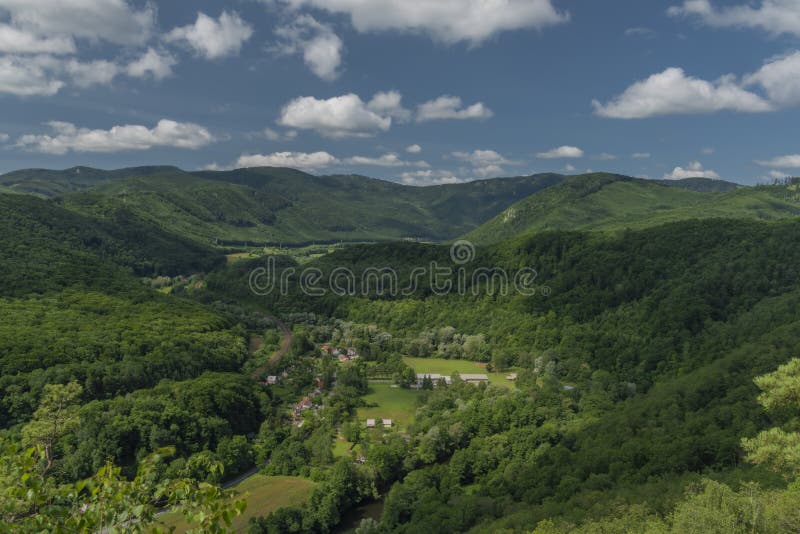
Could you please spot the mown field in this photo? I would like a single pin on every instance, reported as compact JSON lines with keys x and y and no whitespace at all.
{"x":448,"y":367}
{"x":393,"y":403}
{"x":265,"y":495}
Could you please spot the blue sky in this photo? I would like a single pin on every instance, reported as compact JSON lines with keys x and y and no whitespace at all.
{"x":414,"y":91}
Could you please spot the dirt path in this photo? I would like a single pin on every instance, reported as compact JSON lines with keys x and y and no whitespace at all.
{"x":286,"y":343}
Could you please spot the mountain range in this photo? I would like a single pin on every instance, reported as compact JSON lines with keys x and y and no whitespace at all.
{"x":287,"y":206}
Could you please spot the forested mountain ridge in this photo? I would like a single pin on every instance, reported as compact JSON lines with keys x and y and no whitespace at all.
{"x":610,"y":202}
{"x":272,"y":204}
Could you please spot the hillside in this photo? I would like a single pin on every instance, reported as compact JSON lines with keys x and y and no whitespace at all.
{"x":289,"y":206}
{"x":48,"y":183}
{"x":44,"y":246}
{"x":612,"y":202}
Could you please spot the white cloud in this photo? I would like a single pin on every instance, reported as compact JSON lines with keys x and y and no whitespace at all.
{"x":99,"y":72}
{"x":780,"y":78}
{"x":639,"y":31}
{"x":450,"y":107}
{"x":17,"y":41}
{"x":386,"y":160}
{"x":640,"y":155}
{"x":605,"y":156}
{"x":115,"y":21}
{"x":276,"y":136}
{"x":337,"y":117}
{"x":482,"y":158}
{"x":68,"y":137}
{"x":773,"y":16}
{"x":489,"y":171}
{"x":777,"y":175}
{"x":449,"y":21}
{"x":569,"y":168}
{"x":672,"y":92}
{"x":707,"y":151}
{"x":320,"y":47}
{"x":389,"y":104}
{"x":296,"y":160}
{"x":213,"y":39}
{"x":561,"y":152}
{"x":28,"y":76}
{"x":152,"y":63}
{"x":692,"y":170}
{"x":429,"y":177}
{"x":414,"y":149}
{"x":4,"y":137}
{"x":485,"y":163}
{"x":783,"y":162}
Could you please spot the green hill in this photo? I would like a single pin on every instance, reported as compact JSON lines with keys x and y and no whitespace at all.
{"x":48,"y":183}
{"x":612,"y":202}
{"x":289,"y":206}
{"x":44,"y":246}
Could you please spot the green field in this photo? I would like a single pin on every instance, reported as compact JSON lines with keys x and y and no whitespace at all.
{"x":395,"y":403}
{"x":448,"y":367}
{"x":266,"y":494}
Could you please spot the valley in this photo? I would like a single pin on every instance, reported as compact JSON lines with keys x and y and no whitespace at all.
{"x":623,"y":399}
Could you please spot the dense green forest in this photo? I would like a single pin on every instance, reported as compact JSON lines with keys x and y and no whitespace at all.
{"x":134,"y":358}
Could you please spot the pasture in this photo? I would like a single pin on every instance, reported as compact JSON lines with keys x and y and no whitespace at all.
{"x":265,"y":495}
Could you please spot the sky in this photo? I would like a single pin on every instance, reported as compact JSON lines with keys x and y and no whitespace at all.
{"x":414,"y":91}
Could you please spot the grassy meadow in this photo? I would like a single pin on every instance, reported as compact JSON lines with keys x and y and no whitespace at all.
{"x":264,"y":495}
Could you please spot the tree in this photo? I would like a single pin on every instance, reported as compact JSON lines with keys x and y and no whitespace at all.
{"x":56,"y":416}
{"x":777,"y":448}
{"x":106,"y":501}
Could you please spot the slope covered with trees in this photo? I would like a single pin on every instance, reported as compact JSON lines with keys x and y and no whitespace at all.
{"x":611,"y":202}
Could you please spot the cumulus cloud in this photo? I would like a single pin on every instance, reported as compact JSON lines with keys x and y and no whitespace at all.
{"x":773,"y":16}
{"x":320,"y":47}
{"x":115,"y":21}
{"x":86,"y":74}
{"x":276,"y":136}
{"x":783,"y":162}
{"x":673,"y":92}
{"x":386,"y":160}
{"x":17,"y":41}
{"x":485,"y":163}
{"x":413,"y":149}
{"x":481,"y":157}
{"x":692,"y":170}
{"x":451,"y":107}
{"x":780,"y":78}
{"x":429,"y":177}
{"x":389,"y":104}
{"x":561,"y":152}
{"x":153,"y":63}
{"x":296,"y":160}
{"x":337,"y":117}
{"x":640,"y":155}
{"x":28,"y":76}
{"x":67,"y":137}
{"x":213,"y":38}
{"x":449,"y":21}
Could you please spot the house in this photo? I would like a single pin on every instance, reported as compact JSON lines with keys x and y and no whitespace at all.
{"x":511,"y":376}
{"x":387,"y":423}
{"x":434,"y":377}
{"x":272,"y":380}
{"x":351,"y":353}
{"x":474,"y":378}
{"x":343,"y":358}
{"x":370,"y":423}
